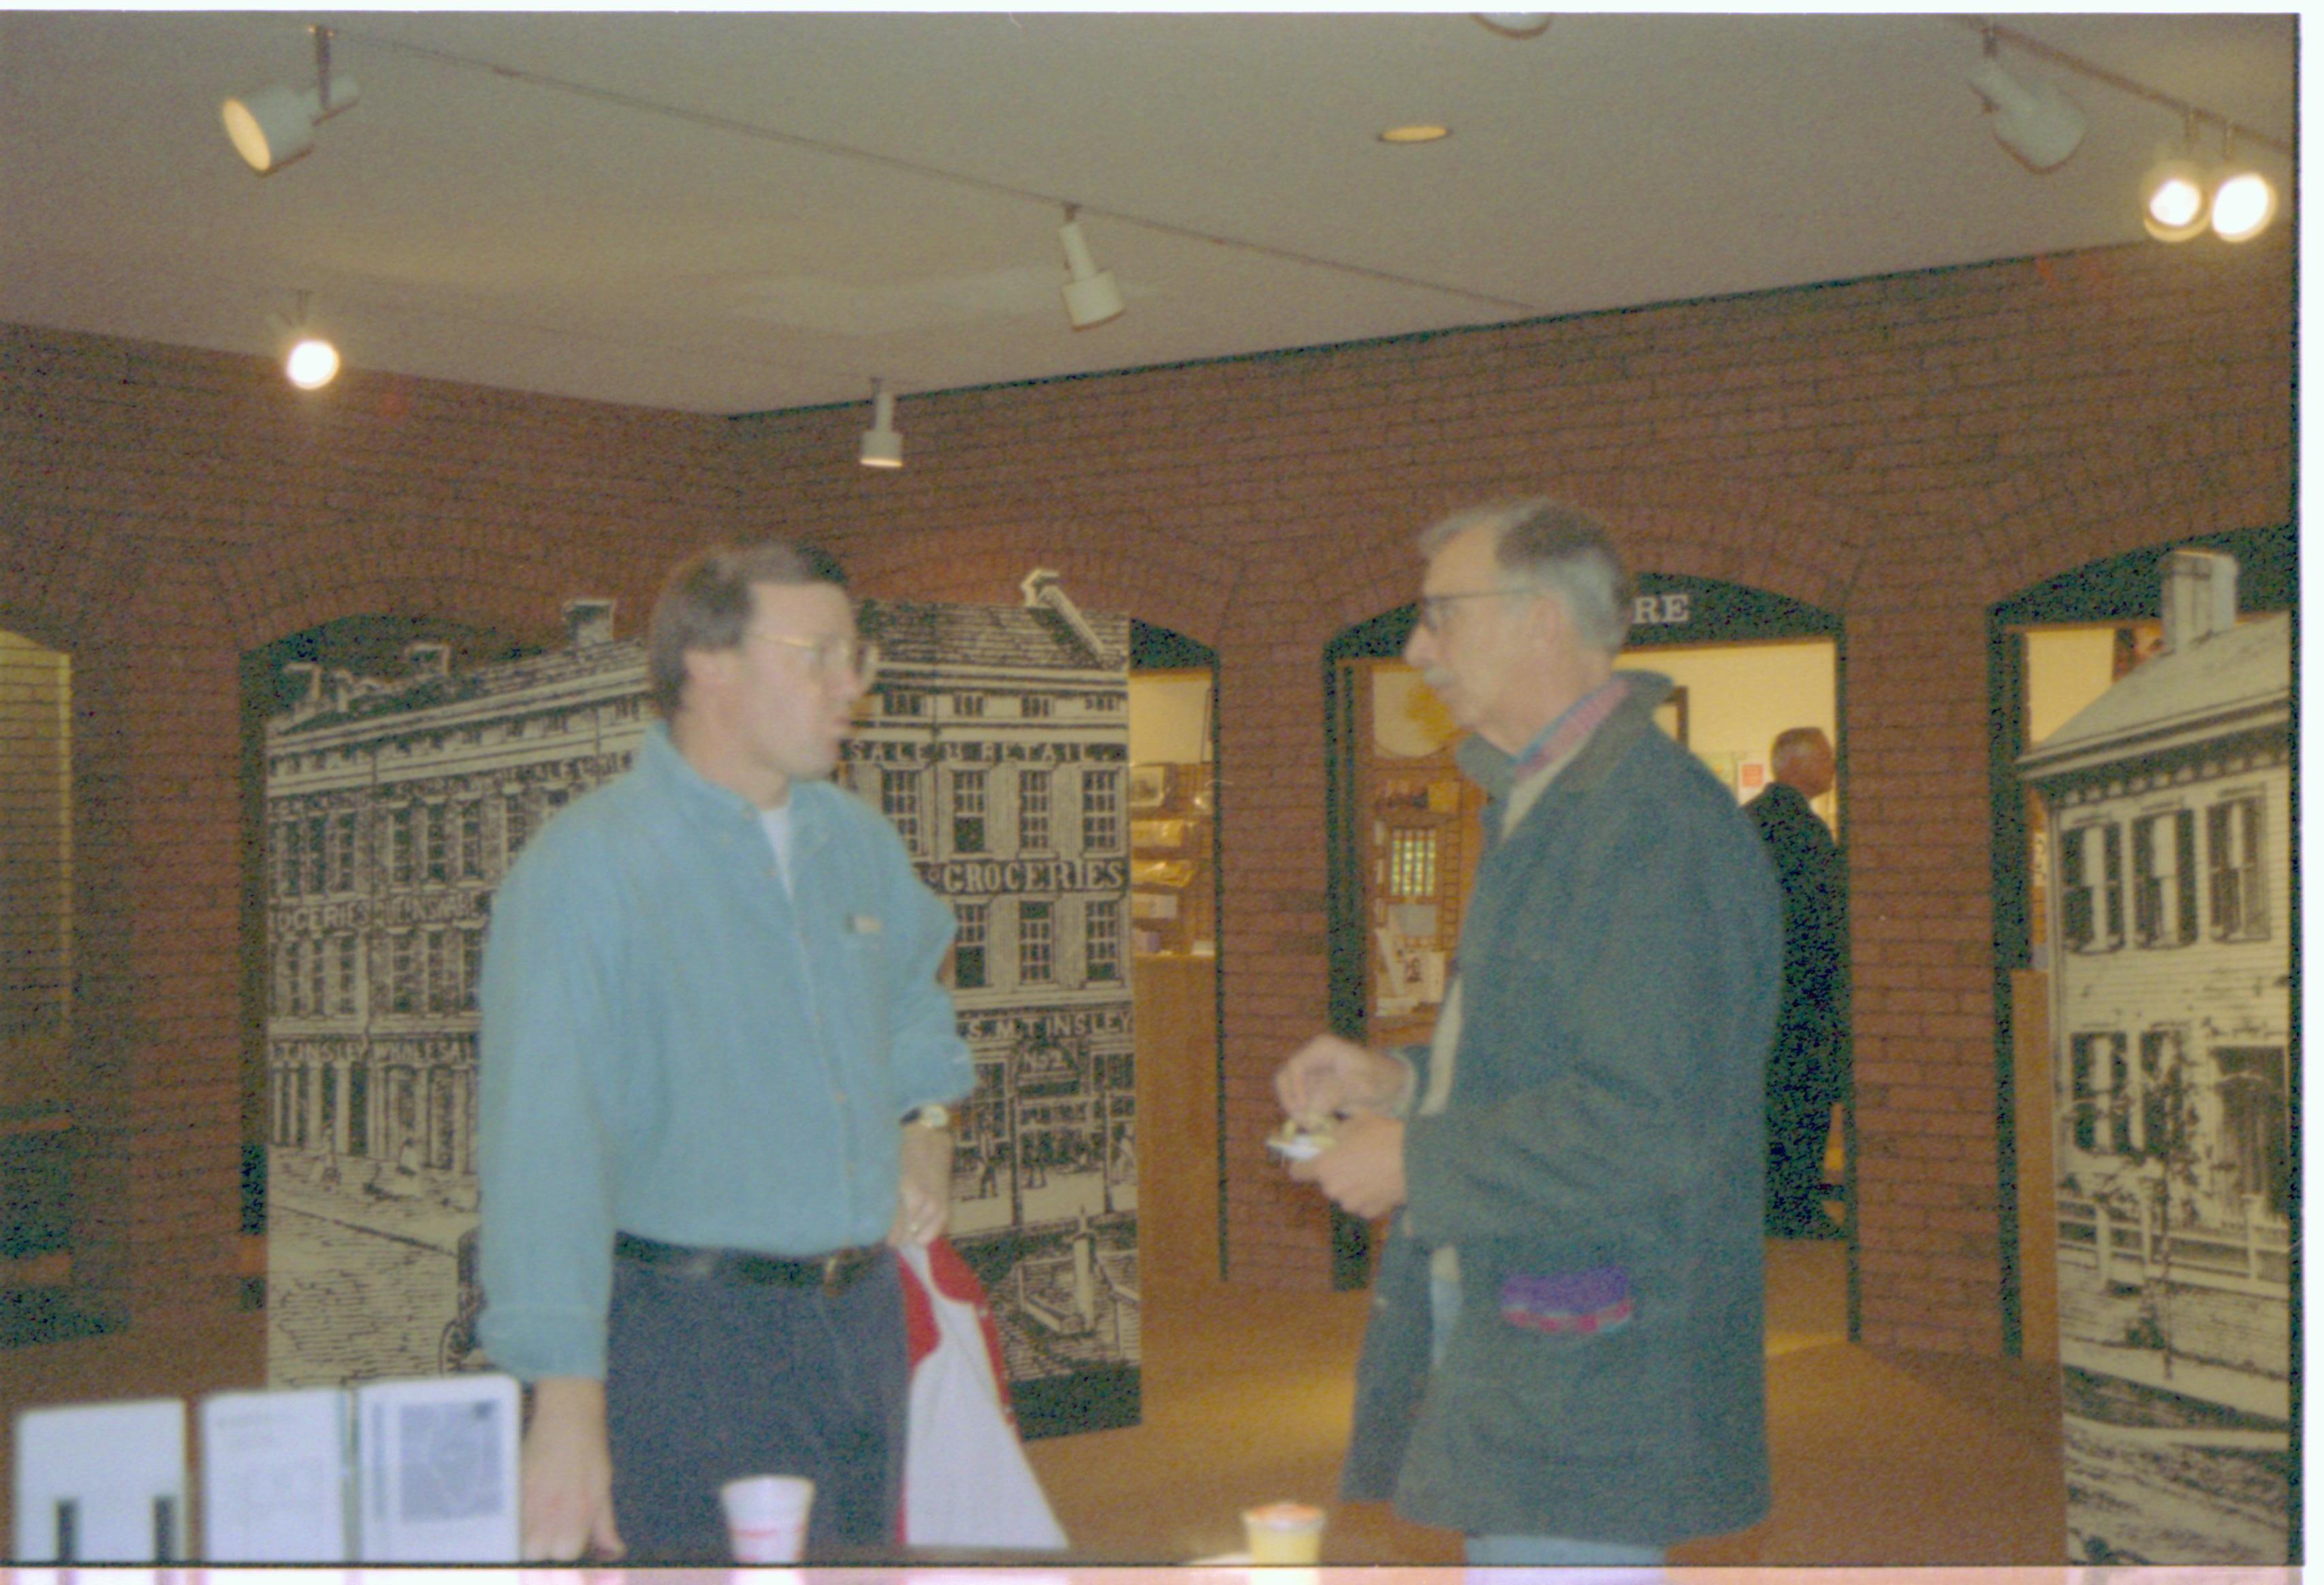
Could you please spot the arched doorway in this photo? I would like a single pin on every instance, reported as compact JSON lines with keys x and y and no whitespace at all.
{"x":1747,"y":664}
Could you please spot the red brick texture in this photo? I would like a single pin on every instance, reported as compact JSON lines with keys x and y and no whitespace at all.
{"x":1901,"y":451}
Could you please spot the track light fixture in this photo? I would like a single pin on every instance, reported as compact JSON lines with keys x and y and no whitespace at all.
{"x":881,"y":447}
{"x":2243,"y":201}
{"x":1091,"y":296}
{"x":2034,"y":121}
{"x":312,"y":361}
{"x":2180,"y":198}
{"x":276,"y":125}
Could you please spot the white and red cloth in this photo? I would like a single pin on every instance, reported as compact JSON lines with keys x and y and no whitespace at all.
{"x":967,"y":1479}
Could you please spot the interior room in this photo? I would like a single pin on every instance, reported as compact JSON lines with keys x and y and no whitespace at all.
{"x":1933,"y":375}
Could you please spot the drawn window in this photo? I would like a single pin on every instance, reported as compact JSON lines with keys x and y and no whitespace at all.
{"x":342,"y":875}
{"x":968,"y":947}
{"x":406,"y":974}
{"x":968,"y":811}
{"x":1101,"y":810}
{"x":472,"y":967}
{"x":2097,"y":1065}
{"x":293,"y":867}
{"x":400,"y":850}
{"x":1033,"y":810}
{"x":2091,"y":880}
{"x":513,"y":827}
{"x":1102,"y":959}
{"x":899,"y":800}
{"x":2160,"y":1076}
{"x":358,"y":1111}
{"x":319,"y":965}
{"x":2239,"y":887}
{"x":2255,"y":1141}
{"x":2162,"y":877}
{"x":1033,"y":706}
{"x":472,"y":840}
{"x":438,"y":829}
{"x":346,"y":1003}
{"x":316,"y":843}
{"x":968,"y":703}
{"x":1035,"y":947}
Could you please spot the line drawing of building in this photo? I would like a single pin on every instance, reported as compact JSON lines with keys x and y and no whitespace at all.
{"x":2172,"y":1052}
{"x":996,"y":740}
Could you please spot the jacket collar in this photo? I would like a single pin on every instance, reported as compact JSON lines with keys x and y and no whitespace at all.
{"x":1495,"y":770}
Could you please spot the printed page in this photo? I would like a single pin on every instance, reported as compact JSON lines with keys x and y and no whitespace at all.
{"x":102,"y":1483}
{"x":437,"y":1470}
{"x":274,"y":1476}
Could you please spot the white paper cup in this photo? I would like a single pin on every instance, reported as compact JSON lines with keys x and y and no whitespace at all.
{"x":1284,"y":1533}
{"x":766,"y":1516}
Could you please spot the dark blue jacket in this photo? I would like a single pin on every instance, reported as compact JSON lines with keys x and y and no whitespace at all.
{"x":1620,"y":970}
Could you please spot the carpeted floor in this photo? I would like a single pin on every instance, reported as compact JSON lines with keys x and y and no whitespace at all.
{"x":1880,"y":1458}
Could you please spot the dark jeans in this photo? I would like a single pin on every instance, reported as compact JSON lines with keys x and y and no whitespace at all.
{"x":707,"y":1381}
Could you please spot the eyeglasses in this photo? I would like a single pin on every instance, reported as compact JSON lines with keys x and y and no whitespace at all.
{"x":1432,"y":606}
{"x":859,"y":656}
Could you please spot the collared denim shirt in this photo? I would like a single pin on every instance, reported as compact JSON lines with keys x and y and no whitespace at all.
{"x":674,"y":1044}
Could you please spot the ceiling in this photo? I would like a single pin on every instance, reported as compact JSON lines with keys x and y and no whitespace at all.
{"x":727,"y":212}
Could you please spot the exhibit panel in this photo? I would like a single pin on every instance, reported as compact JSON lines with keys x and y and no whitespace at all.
{"x":2160,"y":842}
{"x":399,"y":785}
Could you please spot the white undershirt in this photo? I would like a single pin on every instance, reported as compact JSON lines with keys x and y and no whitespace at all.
{"x":778,"y":823}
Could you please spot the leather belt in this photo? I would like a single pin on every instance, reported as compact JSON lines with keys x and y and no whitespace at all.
{"x":835,"y":1273}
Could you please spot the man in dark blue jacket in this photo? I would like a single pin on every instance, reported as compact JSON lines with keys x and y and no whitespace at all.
{"x":1565,"y":1355}
{"x":1807,"y":1072}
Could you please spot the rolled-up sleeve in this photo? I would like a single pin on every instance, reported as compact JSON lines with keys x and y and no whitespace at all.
{"x":929,"y":1060}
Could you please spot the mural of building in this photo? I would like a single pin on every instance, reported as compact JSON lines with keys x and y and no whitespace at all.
{"x":2169,"y":800}
{"x":996,"y":740}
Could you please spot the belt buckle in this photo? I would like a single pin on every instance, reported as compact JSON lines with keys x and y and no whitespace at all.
{"x":833,"y":1269}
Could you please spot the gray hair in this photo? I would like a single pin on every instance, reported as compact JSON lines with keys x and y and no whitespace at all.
{"x":1549,"y":546}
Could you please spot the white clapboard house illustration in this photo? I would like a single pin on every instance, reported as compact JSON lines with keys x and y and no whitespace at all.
{"x":2173,"y":1054}
{"x":996,"y":740}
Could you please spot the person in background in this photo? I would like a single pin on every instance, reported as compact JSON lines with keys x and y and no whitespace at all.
{"x":714,"y":1059}
{"x":1564,"y":1358}
{"x":1807,"y":1072}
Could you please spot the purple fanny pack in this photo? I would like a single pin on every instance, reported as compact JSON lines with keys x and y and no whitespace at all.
{"x":1595,"y":1300}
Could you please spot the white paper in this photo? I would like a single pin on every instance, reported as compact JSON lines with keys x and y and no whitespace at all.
{"x":436,"y":1471}
{"x":113,"y":1475}
{"x":274,"y":1476}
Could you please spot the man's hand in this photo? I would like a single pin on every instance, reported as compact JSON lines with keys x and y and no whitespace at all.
{"x":1328,"y":1076}
{"x":923,"y":1192}
{"x":568,"y":1473}
{"x":1363,"y":1171}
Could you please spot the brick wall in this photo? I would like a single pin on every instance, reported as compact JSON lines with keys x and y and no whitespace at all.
{"x":161,"y":511}
{"x":1903,"y":451}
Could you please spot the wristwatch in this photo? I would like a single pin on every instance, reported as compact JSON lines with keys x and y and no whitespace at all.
{"x":930,"y":1116}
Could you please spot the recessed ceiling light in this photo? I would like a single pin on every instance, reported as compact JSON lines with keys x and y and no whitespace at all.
{"x":1418,"y":133}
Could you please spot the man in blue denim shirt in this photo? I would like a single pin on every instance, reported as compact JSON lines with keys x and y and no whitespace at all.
{"x":714,"y":1054}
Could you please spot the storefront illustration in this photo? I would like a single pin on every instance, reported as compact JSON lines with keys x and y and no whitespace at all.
{"x":997,"y":742}
{"x":2173,"y":1064}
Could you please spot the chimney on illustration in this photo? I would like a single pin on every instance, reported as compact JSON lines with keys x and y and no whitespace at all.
{"x":2198,"y":598}
{"x":1045,"y":589}
{"x":428,"y":658}
{"x":306,"y":677}
{"x":589,"y":623}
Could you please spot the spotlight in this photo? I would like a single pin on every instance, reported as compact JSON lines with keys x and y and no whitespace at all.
{"x":276,"y":125}
{"x":2036,"y":122}
{"x":2174,"y":199}
{"x":882,"y":447}
{"x":312,"y":364}
{"x":2243,"y":202}
{"x":1091,"y":296}
{"x":312,"y":361}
